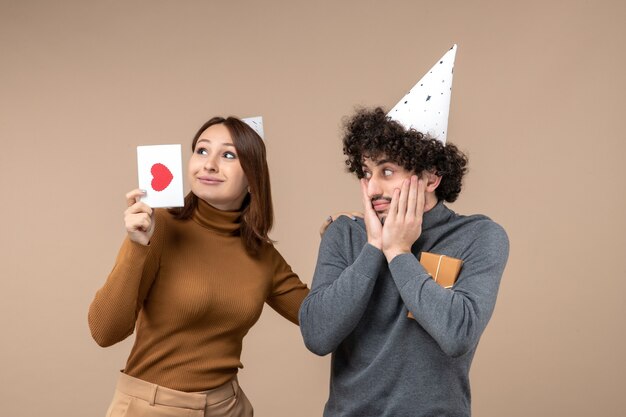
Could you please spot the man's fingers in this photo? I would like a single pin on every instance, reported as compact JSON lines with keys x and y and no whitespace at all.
{"x":393,"y":207}
{"x":364,"y":196}
{"x":411,"y":209}
{"x":402,"y":201}
{"x":421,"y":197}
{"x":367,"y":202}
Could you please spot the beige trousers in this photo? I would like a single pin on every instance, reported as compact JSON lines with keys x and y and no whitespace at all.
{"x":137,"y":398}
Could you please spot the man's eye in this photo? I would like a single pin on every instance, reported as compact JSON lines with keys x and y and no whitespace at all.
{"x":230,"y":155}
{"x":367,"y":175}
{"x":387,"y":172}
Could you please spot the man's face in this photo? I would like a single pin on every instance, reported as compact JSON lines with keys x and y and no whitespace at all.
{"x":383,"y":177}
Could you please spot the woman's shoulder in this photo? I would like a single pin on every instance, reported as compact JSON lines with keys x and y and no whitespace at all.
{"x":268,"y":250}
{"x":270,"y":255}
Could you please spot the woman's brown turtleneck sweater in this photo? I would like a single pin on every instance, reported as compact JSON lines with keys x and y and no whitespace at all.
{"x":192,"y":294}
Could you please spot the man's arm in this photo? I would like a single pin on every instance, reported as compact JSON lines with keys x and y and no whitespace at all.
{"x":456,"y":317}
{"x":340,"y":291}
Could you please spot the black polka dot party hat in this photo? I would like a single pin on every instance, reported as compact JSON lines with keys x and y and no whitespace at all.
{"x":426,"y":106}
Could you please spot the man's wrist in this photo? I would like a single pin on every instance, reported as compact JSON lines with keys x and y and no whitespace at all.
{"x":391,"y":253}
{"x":377,"y":244}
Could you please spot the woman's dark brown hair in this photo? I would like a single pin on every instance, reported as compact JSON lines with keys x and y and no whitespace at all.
{"x":372,"y":134}
{"x":257,"y":209}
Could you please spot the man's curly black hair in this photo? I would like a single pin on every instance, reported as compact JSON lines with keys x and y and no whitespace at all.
{"x":372,"y":134}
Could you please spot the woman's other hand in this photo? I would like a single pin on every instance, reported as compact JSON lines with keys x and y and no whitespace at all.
{"x":352,"y":214}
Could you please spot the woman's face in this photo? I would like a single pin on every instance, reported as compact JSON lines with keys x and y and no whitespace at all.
{"x":215,"y":173}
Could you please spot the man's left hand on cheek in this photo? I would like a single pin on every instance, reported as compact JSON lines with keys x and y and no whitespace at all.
{"x":403,"y":225}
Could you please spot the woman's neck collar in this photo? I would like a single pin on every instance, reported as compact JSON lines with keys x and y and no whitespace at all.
{"x":220,"y":221}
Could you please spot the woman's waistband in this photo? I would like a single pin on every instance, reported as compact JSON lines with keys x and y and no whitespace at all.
{"x":156,"y":394}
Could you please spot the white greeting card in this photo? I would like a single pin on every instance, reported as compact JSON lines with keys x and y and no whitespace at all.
{"x":160,"y":173}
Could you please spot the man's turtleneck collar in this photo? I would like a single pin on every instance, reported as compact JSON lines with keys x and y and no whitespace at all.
{"x":219,"y":221}
{"x":437,"y":215}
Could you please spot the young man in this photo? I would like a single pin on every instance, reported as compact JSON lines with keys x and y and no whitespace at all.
{"x":368,"y":278}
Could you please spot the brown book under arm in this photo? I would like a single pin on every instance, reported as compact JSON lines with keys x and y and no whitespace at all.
{"x":443,"y":269}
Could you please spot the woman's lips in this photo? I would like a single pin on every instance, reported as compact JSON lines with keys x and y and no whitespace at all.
{"x":210,"y":180}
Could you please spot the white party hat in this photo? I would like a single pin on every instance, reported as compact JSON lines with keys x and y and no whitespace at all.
{"x":256,"y":123}
{"x":426,"y":107}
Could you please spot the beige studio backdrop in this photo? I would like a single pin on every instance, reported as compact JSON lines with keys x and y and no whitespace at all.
{"x":537,"y":102}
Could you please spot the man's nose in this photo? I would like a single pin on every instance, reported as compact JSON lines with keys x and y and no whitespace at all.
{"x":373,"y":187}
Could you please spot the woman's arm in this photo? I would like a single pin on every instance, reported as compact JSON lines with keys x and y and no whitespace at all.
{"x":287,"y":290}
{"x":114,"y":310}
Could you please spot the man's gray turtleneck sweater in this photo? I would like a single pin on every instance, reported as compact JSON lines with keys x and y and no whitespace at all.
{"x":383,"y":363}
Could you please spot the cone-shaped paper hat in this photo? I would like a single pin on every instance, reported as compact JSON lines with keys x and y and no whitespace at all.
{"x":256,"y":123}
{"x":426,"y":107}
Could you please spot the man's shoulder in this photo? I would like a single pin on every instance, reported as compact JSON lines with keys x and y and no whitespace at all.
{"x":479,"y":222}
{"x":480,"y":232}
{"x":345,"y":232}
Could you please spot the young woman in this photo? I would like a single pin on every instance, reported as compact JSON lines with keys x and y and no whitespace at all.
{"x":191,"y":282}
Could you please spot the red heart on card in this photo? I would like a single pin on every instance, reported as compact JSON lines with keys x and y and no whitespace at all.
{"x":162,"y":177}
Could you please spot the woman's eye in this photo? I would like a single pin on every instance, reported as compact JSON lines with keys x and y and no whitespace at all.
{"x":230,"y":155}
{"x":367,"y":175}
{"x":387,"y":172}
{"x":201,"y":151}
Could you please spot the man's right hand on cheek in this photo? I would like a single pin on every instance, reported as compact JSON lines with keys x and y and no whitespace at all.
{"x":372,"y":223}
{"x":403,"y":225}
